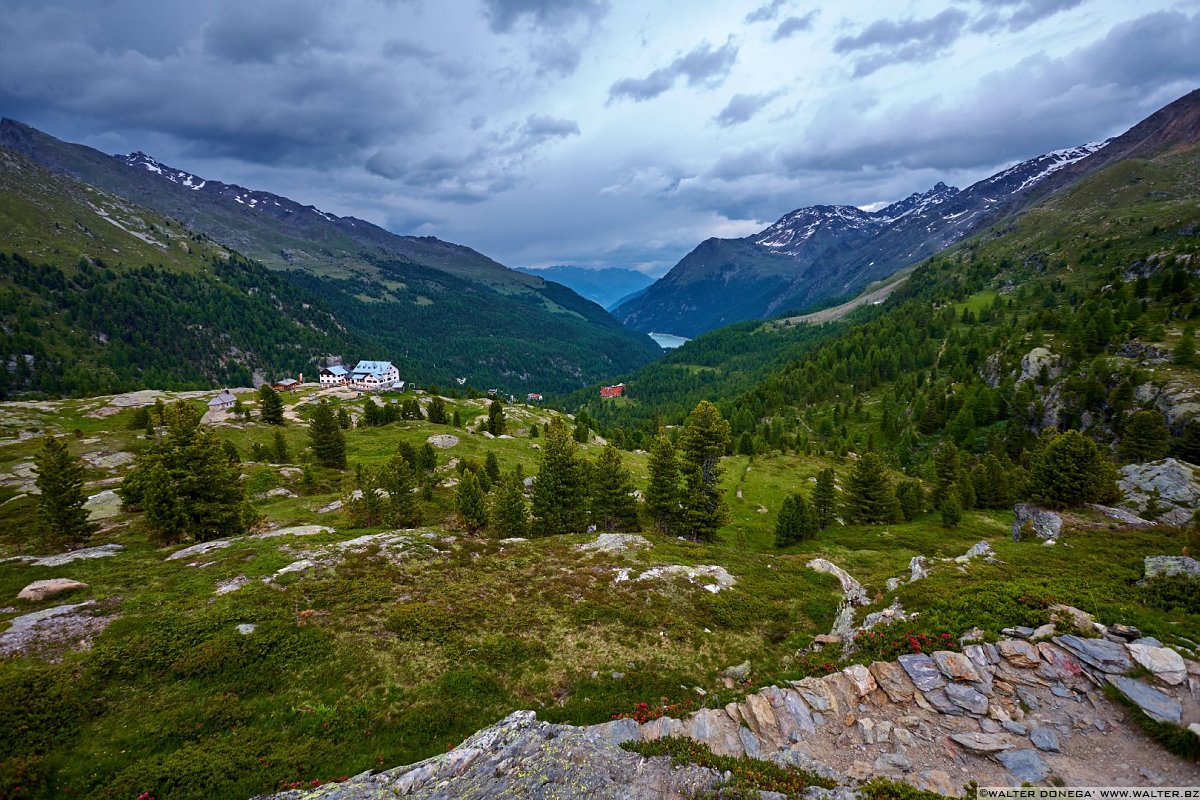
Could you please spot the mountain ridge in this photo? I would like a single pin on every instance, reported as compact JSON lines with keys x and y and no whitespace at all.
{"x":821,"y":253}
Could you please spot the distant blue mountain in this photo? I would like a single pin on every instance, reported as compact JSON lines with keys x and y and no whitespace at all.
{"x":604,"y":286}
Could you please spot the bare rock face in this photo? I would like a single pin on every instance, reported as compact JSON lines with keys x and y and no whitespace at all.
{"x":1169,"y":486}
{"x":1033,"y":362}
{"x":1040,"y":522}
{"x":614,"y":543}
{"x":522,"y":757}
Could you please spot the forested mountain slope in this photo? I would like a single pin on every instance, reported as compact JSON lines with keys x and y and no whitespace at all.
{"x":817,"y":254}
{"x":439,"y":309}
{"x":1074,"y":315}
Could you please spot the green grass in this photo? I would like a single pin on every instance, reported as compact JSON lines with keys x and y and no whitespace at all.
{"x":388,"y":656}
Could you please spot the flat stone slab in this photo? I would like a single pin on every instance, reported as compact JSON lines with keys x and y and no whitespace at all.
{"x":103,"y":551}
{"x":104,"y":505}
{"x":983,"y":742}
{"x":1025,"y":765}
{"x":1044,"y":739}
{"x":40,"y":590}
{"x":443,"y":441}
{"x":295,"y":530}
{"x":923,"y":671}
{"x":1102,"y":654}
{"x":967,"y":698}
{"x":200,"y":549}
{"x":55,"y":625}
{"x":1157,"y":705}
{"x":1167,"y":665}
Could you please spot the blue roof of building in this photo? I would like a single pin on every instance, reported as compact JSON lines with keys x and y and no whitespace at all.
{"x":336,"y":369}
{"x":372,"y":367}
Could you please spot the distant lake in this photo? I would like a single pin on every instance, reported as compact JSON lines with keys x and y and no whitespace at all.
{"x":668,"y":341}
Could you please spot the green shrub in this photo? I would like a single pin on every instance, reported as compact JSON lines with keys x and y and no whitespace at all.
{"x":43,"y":706}
{"x":196,"y":771}
{"x":424,"y":622}
{"x":1172,"y":593}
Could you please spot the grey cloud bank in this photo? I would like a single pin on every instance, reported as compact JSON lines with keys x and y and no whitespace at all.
{"x":583,"y":131}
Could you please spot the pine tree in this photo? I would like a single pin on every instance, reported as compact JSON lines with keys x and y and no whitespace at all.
{"x":1186,"y":445}
{"x":326,"y":439}
{"x":613,"y":506}
{"x":990,"y":481}
{"x":437,"y":411}
{"x":911,"y":496}
{"x":662,"y":491}
{"x":231,"y":452}
{"x":870,"y":498}
{"x":362,"y":498}
{"x":951,"y":508}
{"x":495,"y":423}
{"x":62,"y":519}
{"x":704,"y":441}
{"x":279,"y":449}
{"x":491,"y":466}
{"x":947,"y":470}
{"x":456,"y":420}
{"x":559,"y":494}
{"x":825,"y":498}
{"x":510,"y":512}
{"x":470,"y":503}
{"x":270,"y":407}
{"x":343,"y":419}
{"x":397,"y":480}
{"x":533,"y":431}
{"x":186,"y":484}
{"x":1069,"y":470}
{"x":1185,"y":349}
{"x":582,"y":433}
{"x":797,"y":521}
{"x":1146,"y":438}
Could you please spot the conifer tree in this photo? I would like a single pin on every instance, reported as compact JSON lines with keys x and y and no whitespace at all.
{"x":1069,"y":470}
{"x":62,"y":519}
{"x":437,"y":410}
{"x":797,"y":521}
{"x":870,"y":498}
{"x":1186,"y":446}
{"x":662,"y":491}
{"x":582,"y":433}
{"x":911,"y":496}
{"x":398,"y":481}
{"x":470,"y":502}
{"x":559,"y":494}
{"x":704,"y":441}
{"x":456,"y":420}
{"x":951,"y":508}
{"x":362,"y":498}
{"x":825,"y":498}
{"x":1185,"y":349}
{"x":279,"y":449}
{"x":613,"y":506}
{"x":231,"y":452}
{"x":495,"y":423}
{"x":1146,"y":438}
{"x":947,"y":469}
{"x":491,"y":466}
{"x":186,"y":484}
{"x":326,"y":439}
{"x":990,"y":481}
{"x":510,"y":512}
{"x":270,"y":407}
{"x":343,"y":419}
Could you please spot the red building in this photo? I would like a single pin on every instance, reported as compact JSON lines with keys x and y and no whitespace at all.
{"x":612,"y":391}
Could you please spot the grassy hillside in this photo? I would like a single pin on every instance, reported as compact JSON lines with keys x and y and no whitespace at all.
{"x":390,"y":649}
{"x":104,"y":295}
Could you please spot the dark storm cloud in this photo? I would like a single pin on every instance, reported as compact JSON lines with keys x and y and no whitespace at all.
{"x":265,"y":32}
{"x":793,"y":25}
{"x":703,"y":65}
{"x":886,"y":41}
{"x":765,"y":13}
{"x":742,"y":107}
{"x":539,"y":129}
{"x":1017,"y":15}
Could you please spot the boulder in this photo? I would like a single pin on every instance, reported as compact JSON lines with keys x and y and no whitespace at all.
{"x":1044,"y":739}
{"x":1021,"y":654}
{"x":40,"y":590}
{"x":1171,"y":486}
{"x":967,"y":698}
{"x":982,"y":742}
{"x":1041,"y":522}
{"x":917,"y":569}
{"x":443,"y":441}
{"x":104,"y":505}
{"x":955,"y":666}
{"x":1167,"y":665}
{"x":1033,"y":362}
{"x":1157,"y":705}
{"x":860,"y":679}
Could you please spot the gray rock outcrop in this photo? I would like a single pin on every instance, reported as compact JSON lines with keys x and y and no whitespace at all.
{"x":1041,"y":522}
{"x":1169,"y":486}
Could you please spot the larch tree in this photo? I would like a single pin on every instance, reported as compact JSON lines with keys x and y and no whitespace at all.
{"x":559,"y":500}
{"x":326,"y":439}
{"x":471,"y":503}
{"x":662,"y":490}
{"x":270,"y":407}
{"x":704,"y":442}
{"x":825,"y":498}
{"x":495,"y":423}
{"x":1146,"y":438}
{"x":62,"y":519}
{"x":613,"y":505}
{"x":510,"y":512}
{"x":870,"y":498}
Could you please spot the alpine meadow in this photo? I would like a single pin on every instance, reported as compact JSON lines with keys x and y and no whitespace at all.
{"x":781,"y":467}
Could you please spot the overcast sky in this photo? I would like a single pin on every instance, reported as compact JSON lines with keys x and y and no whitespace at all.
{"x":591,"y":132}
